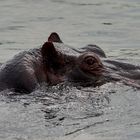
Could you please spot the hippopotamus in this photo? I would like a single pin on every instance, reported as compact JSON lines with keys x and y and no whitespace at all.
{"x":52,"y":64}
{"x":48,"y":64}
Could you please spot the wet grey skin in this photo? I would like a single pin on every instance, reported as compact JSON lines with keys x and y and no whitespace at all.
{"x":48,"y":64}
{"x":19,"y":74}
{"x":53,"y":64}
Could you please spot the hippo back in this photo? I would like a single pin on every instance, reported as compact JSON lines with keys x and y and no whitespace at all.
{"x":20,"y":72}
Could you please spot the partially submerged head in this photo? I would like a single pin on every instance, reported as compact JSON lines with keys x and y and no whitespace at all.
{"x":60,"y":67}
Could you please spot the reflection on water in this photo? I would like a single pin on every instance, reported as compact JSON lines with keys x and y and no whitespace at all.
{"x":108,"y":112}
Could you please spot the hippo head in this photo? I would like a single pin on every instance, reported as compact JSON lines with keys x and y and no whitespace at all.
{"x":84,"y":69}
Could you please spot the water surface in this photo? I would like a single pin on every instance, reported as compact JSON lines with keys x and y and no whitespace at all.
{"x":111,"y":112}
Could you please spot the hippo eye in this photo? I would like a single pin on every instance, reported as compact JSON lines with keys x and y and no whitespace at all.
{"x":90,"y":60}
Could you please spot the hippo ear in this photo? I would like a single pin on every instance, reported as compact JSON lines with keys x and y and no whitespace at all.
{"x":48,"y":50}
{"x":50,"y":55}
{"x":54,"y":37}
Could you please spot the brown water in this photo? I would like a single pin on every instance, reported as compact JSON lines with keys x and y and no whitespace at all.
{"x":111,"y":112}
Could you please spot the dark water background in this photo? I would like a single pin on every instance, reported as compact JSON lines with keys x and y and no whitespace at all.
{"x":111,"y":112}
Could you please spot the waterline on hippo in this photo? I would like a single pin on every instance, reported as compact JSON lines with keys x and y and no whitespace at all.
{"x":53,"y":63}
